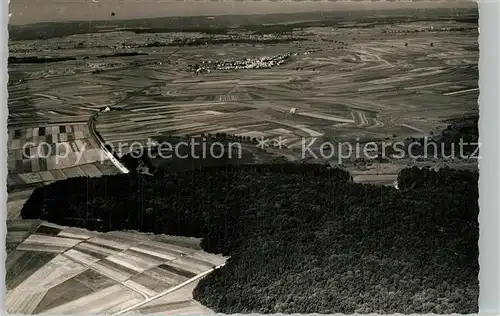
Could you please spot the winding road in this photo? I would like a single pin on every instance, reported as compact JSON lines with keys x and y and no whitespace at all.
{"x":100,"y":141}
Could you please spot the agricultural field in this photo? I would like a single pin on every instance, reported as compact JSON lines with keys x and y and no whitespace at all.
{"x":372,"y":90}
{"x":69,"y":95}
{"x":356,"y":85}
{"x":57,"y":269}
{"x":48,"y":129}
{"x":41,"y":155}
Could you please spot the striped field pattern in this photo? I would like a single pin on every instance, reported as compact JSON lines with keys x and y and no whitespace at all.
{"x":56,"y":269}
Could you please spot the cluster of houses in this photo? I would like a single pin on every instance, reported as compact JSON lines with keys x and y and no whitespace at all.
{"x":429,"y":29}
{"x":247,"y":63}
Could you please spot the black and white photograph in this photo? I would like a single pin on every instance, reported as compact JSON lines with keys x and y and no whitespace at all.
{"x":201,"y":157}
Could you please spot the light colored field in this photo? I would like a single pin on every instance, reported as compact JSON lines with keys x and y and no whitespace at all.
{"x":387,"y":173}
{"x":77,"y":233}
{"x":386,"y":179}
{"x":134,"y":261}
{"x":178,"y":302}
{"x":374,"y":88}
{"x":14,"y":208}
{"x":98,"y":272}
{"x":109,"y":300}
{"x":26,"y":296}
{"x":40,"y":155}
{"x":190,"y":264}
{"x":38,"y":242}
{"x":97,"y":251}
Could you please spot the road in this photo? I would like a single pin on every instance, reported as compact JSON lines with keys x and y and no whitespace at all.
{"x":100,"y":141}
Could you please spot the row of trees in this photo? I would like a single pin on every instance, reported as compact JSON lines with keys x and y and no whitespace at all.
{"x":461,"y":136}
{"x":302,"y":238}
{"x":416,"y":177}
{"x":240,"y":138}
{"x":231,"y":137}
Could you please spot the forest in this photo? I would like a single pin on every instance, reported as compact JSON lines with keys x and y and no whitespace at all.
{"x":301,"y":238}
{"x":415,"y":177}
{"x":461,"y":130}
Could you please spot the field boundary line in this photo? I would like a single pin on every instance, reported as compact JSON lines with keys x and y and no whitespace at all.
{"x":175,"y":288}
{"x":89,"y":267}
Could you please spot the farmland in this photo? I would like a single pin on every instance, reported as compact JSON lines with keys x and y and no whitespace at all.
{"x":356,"y":83}
{"x":56,"y":269}
{"x":285,"y":84}
{"x":373,"y":89}
{"x":41,"y":155}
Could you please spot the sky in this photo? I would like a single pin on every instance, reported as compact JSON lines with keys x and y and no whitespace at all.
{"x":33,"y":11}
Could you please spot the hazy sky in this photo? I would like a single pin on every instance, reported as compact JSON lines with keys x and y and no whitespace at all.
{"x":32,"y":11}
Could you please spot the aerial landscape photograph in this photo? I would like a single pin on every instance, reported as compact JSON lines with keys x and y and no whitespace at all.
{"x":192,"y":158}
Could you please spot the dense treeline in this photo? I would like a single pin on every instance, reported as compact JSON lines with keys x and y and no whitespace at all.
{"x":180,"y":42}
{"x":43,"y":60}
{"x":415,"y":177}
{"x":132,"y":161}
{"x":302,"y":238}
{"x":465,"y":129}
{"x":37,"y":60}
{"x":459,"y":140}
{"x":122,"y":54}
